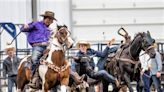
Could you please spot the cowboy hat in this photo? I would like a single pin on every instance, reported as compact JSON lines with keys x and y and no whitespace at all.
{"x":83,"y":42}
{"x":9,"y":48}
{"x":48,"y":14}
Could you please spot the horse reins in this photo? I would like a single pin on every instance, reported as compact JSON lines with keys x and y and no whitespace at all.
{"x":146,"y":50}
{"x":152,"y":46}
{"x":62,"y":40}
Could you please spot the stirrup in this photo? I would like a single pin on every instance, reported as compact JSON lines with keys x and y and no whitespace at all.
{"x":32,"y":85}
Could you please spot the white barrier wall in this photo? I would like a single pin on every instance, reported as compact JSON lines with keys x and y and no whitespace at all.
{"x":60,"y":7}
{"x":16,"y":11}
{"x":93,"y":20}
{"x":97,"y":20}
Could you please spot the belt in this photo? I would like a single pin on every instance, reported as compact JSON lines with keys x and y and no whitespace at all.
{"x":40,"y":44}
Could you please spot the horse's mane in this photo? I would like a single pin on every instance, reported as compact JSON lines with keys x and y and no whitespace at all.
{"x":135,"y":36}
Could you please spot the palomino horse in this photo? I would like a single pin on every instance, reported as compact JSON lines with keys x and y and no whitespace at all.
{"x":124,"y":65}
{"x":54,"y":70}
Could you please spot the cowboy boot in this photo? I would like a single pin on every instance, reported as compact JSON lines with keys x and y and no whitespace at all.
{"x":33,"y":81}
{"x":77,"y":78}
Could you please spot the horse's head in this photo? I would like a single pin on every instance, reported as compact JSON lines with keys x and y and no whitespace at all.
{"x":63,"y":36}
{"x":148,"y":44}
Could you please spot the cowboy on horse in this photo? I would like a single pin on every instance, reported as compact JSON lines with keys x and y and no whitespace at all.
{"x":52,"y":57}
{"x":38,"y":35}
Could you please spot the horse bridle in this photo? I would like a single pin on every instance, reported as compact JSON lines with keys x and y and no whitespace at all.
{"x":62,"y":40}
{"x":146,"y":50}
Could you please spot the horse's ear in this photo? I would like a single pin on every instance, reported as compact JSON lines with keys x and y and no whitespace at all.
{"x":142,"y":34}
{"x":153,"y":40}
{"x":60,"y":26}
{"x":148,"y":33}
{"x":65,"y":26}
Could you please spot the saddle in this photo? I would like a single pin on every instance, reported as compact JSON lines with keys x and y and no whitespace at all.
{"x":29,"y":62}
{"x":111,"y":56}
{"x":35,"y":76}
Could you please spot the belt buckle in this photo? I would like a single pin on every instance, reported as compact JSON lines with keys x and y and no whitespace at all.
{"x":42,"y":43}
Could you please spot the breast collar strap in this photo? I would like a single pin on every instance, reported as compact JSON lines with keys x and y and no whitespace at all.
{"x":60,"y":47}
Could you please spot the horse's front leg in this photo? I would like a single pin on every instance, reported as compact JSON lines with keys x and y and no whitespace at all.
{"x":44,"y":86}
{"x":64,"y":84}
{"x":128,"y":82}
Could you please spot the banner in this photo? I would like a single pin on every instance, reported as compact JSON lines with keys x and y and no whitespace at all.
{"x":10,"y":28}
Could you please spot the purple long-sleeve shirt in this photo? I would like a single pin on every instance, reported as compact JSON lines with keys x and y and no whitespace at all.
{"x":37,"y":32}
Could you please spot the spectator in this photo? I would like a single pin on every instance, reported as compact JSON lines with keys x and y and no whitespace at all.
{"x":145,"y":72}
{"x":10,"y":67}
{"x":155,"y":71}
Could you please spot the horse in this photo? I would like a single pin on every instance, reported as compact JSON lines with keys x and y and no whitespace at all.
{"x":55,"y":69}
{"x":124,"y":65}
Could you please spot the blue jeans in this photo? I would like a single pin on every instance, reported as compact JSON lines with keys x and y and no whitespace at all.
{"x":102,"y":74}
{"x":157,"y":83}
{"x":73,"y":66}
{"x":37,"y":52}
{"x":11,"y":82}
{"x":146,"y":81}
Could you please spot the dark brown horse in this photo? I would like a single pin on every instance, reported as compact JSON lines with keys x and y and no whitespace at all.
{"x":54,"y":70}
{"x":124,"y":65}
